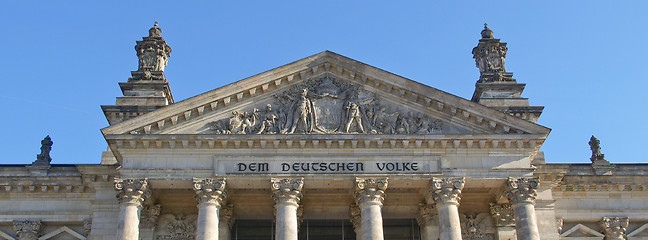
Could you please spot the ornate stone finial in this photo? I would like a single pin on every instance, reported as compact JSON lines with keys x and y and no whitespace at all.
{"x":210,"y":190}
{"x":615,"y":228}
{"x":132,"y":190}
{"x":370,"y":191}
{"x":446,"y":190}
{"x":355,"y":216}
{"x":521,"y":190}
{"x":502,"y":214}
{"x":486,"y":33}
{"x":27,"y":229}
{"x":595,"y":146}
{"x":427,"y":214}
{"x":287,"y":190}
{"x":155,"y":31}
{"x":44,"y":159}
{"x":227,"y":215}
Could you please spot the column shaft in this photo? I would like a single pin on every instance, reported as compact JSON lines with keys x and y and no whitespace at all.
{"x":210,"y":194}
{"x":449,"y":222}
{"x":131,"y":194}
{"x":128,"y":222}
{"x":446,"y":193}
{"x":207,"y":227}
{"x":287,"y":194}
{"x":286,"y":228}
{"x":525,"y":221}
{"x":370,"y":194}
{"x":372,"y":224}
{"x":521,"y":192}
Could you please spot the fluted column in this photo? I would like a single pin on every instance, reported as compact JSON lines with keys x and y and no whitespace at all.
{"x":521,"y":192}
{"x":210,"y":194}
{"x":615,"y":228}
{"x":370,"y":194}
{"x":225,"y":222}
{"x":356,"y":219}
{"x":27,"y":229}
{"x":287,"y":194}
{"x":428,"y":222}
{"x":131,"y":193}
{"x":446,"y":193}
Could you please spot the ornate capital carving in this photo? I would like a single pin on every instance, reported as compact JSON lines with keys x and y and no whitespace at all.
{"x":615,"y":228}
{"x":521,"y":190}
{"x":27,"y":229}
{"x":149,"y":215}
{"x":370,"y":191}
{"x":355,"y":216}
{"x":446,"y":190}
{"x":427,"y":214}
{"x":210,"y":190}
{"x":132,"y":190}
{"x":287,"y":190}
{"x":502,"y":215}
{"x":227,"y":215}
{"x":87,"y":226}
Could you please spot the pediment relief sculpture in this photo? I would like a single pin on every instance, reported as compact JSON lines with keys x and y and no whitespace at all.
{"x":326,"y":105}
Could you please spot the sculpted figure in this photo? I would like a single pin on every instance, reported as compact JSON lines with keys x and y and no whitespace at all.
{"x":353,"y":116}
{"x":402,"y":127}
{"x":381,"y":120}
{"x":236,"y":123}
{"x":422,"y":124}
{"x":302,"y":117}
{"x":269,"y":121}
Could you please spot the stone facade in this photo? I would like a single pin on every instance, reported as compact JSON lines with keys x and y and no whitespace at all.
{"x":288,"y":153}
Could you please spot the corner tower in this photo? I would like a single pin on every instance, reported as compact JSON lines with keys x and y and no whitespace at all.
{"x":496,"y":88}
{"x":147,"y":89}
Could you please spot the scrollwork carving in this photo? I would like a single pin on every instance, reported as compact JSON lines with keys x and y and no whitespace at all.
{"x":287,"y":190}
{"x":210,"y":190}
{"x":150,"y":214}
{"x":474,"y":226}
{"x":27,"y":229}
{"x":502,"y":214}
{"x":446,"y":190}
{"x":177,"y":227}
{"x":615,"y":227}
{"x":370,"y":190}
{"x":427,"y":214}
{"x":521,"y":190}
{"x":132,"y":190}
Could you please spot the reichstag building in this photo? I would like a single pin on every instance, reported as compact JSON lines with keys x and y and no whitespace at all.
{"x":323,"y":148}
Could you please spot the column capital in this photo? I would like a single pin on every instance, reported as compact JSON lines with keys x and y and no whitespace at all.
{"x":502,"y":215}
{"x":427,"y":214}
{"x":370,"y":191}
{"x":615,"y":227}
{"x":521,"y":190}
{"x":287,"y":190}
{"x":27,"y":229}
{"x":132,"y":190}
{"x":210,"y":190}
{"x":355,"y":216}
{"x":446,"y":190}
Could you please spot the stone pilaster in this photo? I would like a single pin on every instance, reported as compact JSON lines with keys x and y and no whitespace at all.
{"x":210,"y":194}
{"x":226,"y":221}
{"x":27,"y":229}
{"x":428,"y":222}
{"x":446,"y":193}
{"x":287,"y":193}
{"x":370,"y":194}
{"x":521,"y":192}
{"x":356,"y":219}
{"x":504,"y":220}
{"x":615,"y":228}
{"x":131,"y":193}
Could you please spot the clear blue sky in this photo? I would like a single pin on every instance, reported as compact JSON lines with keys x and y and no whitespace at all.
{"x":585,"y":61}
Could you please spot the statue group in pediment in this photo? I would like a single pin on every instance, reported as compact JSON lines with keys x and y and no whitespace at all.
{"x":325,"y":106}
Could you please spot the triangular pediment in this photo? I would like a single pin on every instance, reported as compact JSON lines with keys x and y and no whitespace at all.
{"x":326,"y":94}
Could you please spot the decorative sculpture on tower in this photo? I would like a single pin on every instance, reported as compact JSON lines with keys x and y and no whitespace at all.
{"x":44,"y":159}
{"x":489,"y":55}
{"x":600,"y":165}
{"x":153,"y":54}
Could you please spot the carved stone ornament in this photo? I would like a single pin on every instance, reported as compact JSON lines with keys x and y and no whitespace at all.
{"x":210,"y":190}
{"x":153,"y":54}
{"x":177,"y":227}
{"x":615,"y":228}
{"x":355,"y":216}
{"x":559,"y":224}
{"x":325,"y":106}
{"x":87,"y":226}
{"x":132,"y":190}
{"x":44,"y":159}
{"x":474,"y":226}
{"x":427,"y":214}
{"x":150,"y":214}
{"x":370,"y":191}
{"x":27,"y":229}
{"x":227,"y":215}
{"x":502,"y":215}
{"x":446,"y":190}
{"x":287,"y":190}
{"x":522,"y":190}
{"x":490,"y":55}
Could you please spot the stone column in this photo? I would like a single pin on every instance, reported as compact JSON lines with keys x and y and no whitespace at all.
{"x":504,"y":220}
{"x":131,"y":193}
{"x":210,"y":194}
{"x":27,"y":229}
{"x":521,"y":192}
{"x":615,"y":228}
{"x":286,"y":194}
{"x":428,"y":222}
{"x":226,"y":222}
{"x":370,"y":194}
{"x":356,"y":220}
{"x":446,"y":193}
